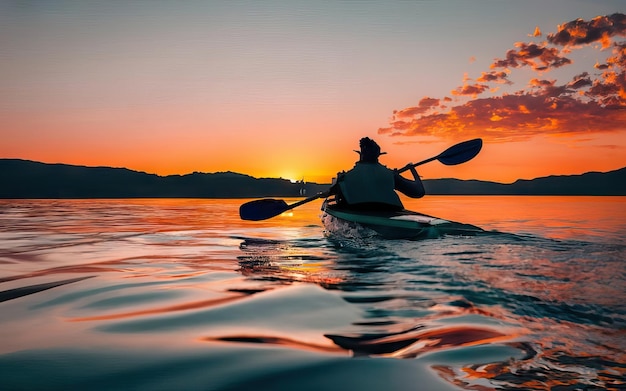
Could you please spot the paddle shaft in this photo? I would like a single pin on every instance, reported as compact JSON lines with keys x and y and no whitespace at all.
{"x":306,"y":200}
{"x":412,"y":165}
{"x":456,"y":154}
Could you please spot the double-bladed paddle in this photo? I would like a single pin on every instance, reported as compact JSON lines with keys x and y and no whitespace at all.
{"x":267,"y":208}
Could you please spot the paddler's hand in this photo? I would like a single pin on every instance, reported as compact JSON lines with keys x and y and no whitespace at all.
{"x":416,"y":176}
{"x":407,"y":167}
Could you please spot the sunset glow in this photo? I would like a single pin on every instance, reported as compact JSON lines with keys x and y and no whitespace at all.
{"x":286,"y":89}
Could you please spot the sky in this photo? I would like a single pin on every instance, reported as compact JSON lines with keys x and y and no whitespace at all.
{"x":287,"y":88}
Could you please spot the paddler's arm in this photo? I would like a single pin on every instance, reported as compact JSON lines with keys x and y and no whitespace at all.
{"x":411,"y":188}
{"x":334,"y":188}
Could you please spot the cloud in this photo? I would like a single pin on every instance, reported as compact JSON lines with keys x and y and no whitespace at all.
{"x":541,"y":83}
{"x":424,"y":105}
{"x":470,"y":90}
{"x":539,"y":57}
{"x":599,"y":29}
{"x":536,"y":33}
{"x":493,"y":76}
{"x":514,"y":117}
{"x":590,"y":102}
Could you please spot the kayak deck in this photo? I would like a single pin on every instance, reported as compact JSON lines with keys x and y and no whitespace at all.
{"x":403,"y":224}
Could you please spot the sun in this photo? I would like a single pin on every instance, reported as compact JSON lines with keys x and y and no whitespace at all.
{"x":290,"y":176}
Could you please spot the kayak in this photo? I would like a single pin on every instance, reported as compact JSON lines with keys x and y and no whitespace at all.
{"x":402,"y":224}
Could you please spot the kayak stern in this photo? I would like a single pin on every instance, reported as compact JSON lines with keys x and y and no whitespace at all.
{"x":402,"y":224}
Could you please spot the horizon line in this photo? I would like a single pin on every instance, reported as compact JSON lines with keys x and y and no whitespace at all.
{"x":296,"y":181}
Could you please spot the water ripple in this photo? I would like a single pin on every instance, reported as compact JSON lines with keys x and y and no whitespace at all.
{"x":118,"y":293}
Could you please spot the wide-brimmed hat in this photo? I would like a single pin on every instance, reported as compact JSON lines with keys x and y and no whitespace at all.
{"x":369,"y":149}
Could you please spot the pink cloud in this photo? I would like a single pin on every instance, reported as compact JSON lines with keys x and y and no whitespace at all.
{"x":579,"y":31}
{"x":539,"y":57}
{"x":494,"y":76}
{"x":423,"y":106}
{"x":470,"y":90}
{"x":588,"y":103}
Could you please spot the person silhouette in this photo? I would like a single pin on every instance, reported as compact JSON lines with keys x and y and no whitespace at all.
{"x":369,"y":185}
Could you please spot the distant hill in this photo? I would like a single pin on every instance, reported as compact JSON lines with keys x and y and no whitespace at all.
{"x":591,"y":183}
{"x":28,"y":179}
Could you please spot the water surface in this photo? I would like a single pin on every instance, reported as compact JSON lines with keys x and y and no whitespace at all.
{"x":182,"y":294}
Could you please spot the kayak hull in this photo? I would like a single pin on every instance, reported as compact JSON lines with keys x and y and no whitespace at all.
{"x":403,"y":224}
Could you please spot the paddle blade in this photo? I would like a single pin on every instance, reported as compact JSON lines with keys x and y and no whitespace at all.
{"x":461,"y":152}
{"x":262,"y":209}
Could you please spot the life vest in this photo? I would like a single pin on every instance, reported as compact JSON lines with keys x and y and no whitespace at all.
{"x":369,"y":183}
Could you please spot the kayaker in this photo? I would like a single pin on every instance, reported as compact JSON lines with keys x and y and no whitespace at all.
{"x":371,"y":185}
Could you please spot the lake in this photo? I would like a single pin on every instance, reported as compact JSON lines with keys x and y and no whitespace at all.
{"x":163,"y":294}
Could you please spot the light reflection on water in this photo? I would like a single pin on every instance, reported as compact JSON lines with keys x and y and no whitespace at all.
{"x":102,"y":293}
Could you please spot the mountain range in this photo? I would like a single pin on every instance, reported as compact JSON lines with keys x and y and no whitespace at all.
{"x":29,"y":179}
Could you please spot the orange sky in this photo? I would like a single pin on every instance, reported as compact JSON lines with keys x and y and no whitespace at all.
{"x":287,"y":90}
